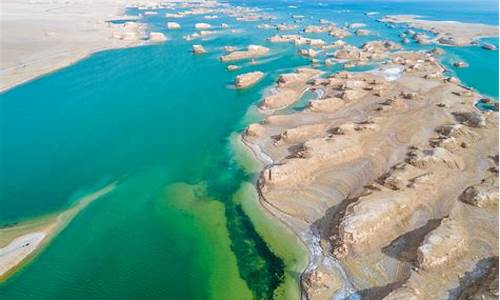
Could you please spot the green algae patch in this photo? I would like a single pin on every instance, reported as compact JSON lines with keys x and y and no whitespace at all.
{"x":215,"y":258}
{"x":281,"y":241}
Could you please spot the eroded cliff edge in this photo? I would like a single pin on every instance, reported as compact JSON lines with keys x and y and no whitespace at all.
{"x":391,"y":179}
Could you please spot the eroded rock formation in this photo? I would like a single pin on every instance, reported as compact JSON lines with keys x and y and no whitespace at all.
{"x":248,"y":79}
{"x":251,"y":52}
{"x":391,"y":178}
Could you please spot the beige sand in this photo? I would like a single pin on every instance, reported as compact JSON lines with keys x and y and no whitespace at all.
{"x":38,"y":37}
{"x":24,"y":240}
{"x":448,"y":32}
{"x":17,"y":250}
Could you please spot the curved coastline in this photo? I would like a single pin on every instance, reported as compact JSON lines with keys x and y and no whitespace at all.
{"x":261,"y":213}
{"x":54,"y":46}
{"x":309,"y":241}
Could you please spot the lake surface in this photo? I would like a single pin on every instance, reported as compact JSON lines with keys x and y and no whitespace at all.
{"x":162,"y":122}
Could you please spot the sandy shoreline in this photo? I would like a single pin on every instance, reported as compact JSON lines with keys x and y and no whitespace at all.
{"x":309,"y":239}
{"x":263,"y":158}
{"x":62,"y":32}
{"x":40,"y":37}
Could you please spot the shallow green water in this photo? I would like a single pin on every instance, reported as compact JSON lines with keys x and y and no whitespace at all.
{"x":155,"y":121}
{"x":160,"y":121}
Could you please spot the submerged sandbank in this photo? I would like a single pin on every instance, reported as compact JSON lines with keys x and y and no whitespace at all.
{"x":208,"y":215}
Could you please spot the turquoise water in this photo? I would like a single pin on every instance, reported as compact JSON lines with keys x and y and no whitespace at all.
{"x":158,"y":120}
{"x":483,"y":71}
{"x":154,"y":118}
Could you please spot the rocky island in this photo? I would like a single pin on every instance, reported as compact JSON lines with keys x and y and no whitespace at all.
{"x":252,"y":51}
{"x":248,"y":79}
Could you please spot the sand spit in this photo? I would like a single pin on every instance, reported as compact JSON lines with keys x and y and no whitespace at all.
{"x":447,"y":32}
{"x":391,"y":179}
{"x":28,"y":238}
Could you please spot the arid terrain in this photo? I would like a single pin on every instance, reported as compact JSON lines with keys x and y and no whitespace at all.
{"x":389,"y":176}
{"x":391,"y":179}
